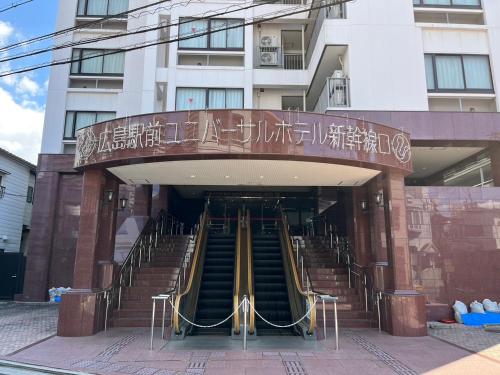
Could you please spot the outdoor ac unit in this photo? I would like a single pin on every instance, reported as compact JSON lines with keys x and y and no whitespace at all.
{"x":339,"y":97}
{"x":269,"y":41}
{"x":335,"y":11}
{"x":269,"y":58}
{"x":338,"y":74}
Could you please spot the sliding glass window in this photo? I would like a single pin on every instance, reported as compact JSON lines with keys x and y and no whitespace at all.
{"x":225,"y":34}
{"x":75,"y":120}
{"x":97,"y":62}
{"x":448,"y":3}
{"x":458,"y":73}
{"x":202,"y":98}
{"x":98,"y":8}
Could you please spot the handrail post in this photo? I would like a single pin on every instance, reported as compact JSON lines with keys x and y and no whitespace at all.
{"x":336,"y":325}
{"x":324,"y":318}
{"x":106,"y":296}
{"x":297,"y":242}
{"x":379,"y":297}
{"x":163,"y":320}
{"x":120,"y":292}
{"x":302,"y":270}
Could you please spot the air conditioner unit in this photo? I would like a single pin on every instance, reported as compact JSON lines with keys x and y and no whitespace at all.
{"x":338,"y":74}
{"x":335,"y":11}
{"x":269,"y":41}
{"x":269,"y":58}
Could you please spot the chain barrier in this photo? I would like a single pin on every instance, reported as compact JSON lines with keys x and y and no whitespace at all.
{"x":287,"y":325}
{"x":209,"y":326}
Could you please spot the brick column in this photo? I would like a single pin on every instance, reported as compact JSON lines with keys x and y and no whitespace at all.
{"x":381,"y":271}
{"x":404,"y":307}
{"x":159,"y":200}
{"x":40,"y":239}
{"x":81,"y":310}
{"x":362,"y":245}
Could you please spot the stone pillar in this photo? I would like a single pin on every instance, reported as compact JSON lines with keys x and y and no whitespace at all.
{"x":41,"y":234}
{"x":159,"y":200}
{"x":404,"y":308}
{"x":81,"y":310}
{"x":362,"y":245}
{"x":381,"y":271}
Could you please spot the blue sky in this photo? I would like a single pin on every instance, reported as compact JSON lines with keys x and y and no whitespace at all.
{"x":22,"y":97}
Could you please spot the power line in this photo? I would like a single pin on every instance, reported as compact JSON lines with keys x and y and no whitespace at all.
{"x":83,"y":25}
{"x":140,"y":30}
{"x":159,"y":42}
{"x":15,"y":5}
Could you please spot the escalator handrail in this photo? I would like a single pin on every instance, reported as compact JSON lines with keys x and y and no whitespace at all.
{"x":310,"y":296}
{"x":237,"y":276}
{"x":194,"y":269}
{"x":251,"y":294}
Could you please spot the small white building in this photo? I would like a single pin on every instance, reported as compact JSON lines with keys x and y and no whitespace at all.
{"x":17,"y":184}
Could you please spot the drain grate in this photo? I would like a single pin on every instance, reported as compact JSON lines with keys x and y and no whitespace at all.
{"x":294,"y":368}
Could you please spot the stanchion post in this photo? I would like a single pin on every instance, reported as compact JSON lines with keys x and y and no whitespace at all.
{"x":336,"y":325}
{"x":245,"y":309}
{"x":378,"y":312}
{"x":152,"y":324}
{"x":324,"y":318}
{"x":163,"y":320}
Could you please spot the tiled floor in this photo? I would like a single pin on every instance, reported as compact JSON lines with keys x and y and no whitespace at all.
{"x":22,"y":324}
{"x":474,"y":339}
{"x":126,"y":351}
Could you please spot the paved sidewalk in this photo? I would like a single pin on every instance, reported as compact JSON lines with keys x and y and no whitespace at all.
{"x":22,"y":324}
{"x":126,"y":351}
{"x":473,"y":339}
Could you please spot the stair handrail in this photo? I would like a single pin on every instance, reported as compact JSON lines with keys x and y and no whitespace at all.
{"x":144,"y":247}
{"x":237,"y":276}
{"x":308,"y":295}
{"x":250,"y":281}
{"x":200,"y":239}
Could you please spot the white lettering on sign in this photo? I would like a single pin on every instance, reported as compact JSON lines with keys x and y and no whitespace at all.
{"x":338,"y":137}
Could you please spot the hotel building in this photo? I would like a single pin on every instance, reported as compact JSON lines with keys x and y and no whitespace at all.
{"x":276,"y":149}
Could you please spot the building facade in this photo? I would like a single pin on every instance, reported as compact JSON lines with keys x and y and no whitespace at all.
{"x":17,"y":184}
{"x":387,"y":109}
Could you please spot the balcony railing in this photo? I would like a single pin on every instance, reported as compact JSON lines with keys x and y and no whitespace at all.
{"x":338,"y":90}
{"x":336,"y":11}
{"x":284,"y":2}
{"x":274,"y":57}
{"x":2,"y":191}
{"x":471,"y":4}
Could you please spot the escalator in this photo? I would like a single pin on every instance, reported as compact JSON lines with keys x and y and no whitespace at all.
{"x":215,"y":297}
{"x":271,"y":293}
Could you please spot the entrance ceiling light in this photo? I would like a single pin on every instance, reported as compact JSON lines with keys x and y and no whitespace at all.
{"x":109,"y":196}
{"x":364,"y":205}
{"x":379,"y":199}
{"x":123,"y":203}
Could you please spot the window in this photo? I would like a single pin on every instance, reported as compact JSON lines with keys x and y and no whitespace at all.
{"x":202,"y":98}
{"x":97,"y":62}
{"x":229,"y":39}
{"x":449,"y":3}
{"x":29,"y":195}
{"x":91,"y":8}
{"x":458,"y":73}
{"x":77,"y":120}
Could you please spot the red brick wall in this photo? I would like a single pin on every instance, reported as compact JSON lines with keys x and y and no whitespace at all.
{"x":454,"y":235}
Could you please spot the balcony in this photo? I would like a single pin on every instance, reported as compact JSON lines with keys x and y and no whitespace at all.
{"x":338,"y":92}
{"x":276,"y":58}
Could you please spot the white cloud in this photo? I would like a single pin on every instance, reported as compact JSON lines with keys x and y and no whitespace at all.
{"x":5,"y":32}
{"x":20,"y":127}
{"x":27,"y":86}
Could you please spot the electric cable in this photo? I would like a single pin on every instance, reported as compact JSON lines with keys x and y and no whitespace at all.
{"x":15,"y":5}
{"x":156,"y":42}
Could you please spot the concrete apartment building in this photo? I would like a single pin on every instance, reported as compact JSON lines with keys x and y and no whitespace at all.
{"x":386,"y":109}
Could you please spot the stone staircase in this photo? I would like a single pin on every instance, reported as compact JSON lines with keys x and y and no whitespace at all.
{"x":329,"y":277}
{"x":153,"y":278}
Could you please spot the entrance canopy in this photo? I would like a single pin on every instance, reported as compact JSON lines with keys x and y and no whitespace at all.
{"x":245,"y":172}
{"x":238,"y":135}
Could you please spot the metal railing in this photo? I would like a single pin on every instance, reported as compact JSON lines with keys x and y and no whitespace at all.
{"x":308,"y":297}
{"x":143,"y":250}
{"x":336,"y":11}
{"x":283,"y":2}
{"x":2,"y":191}
{"x":277,"y":58}
{"x":338,"y":90}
